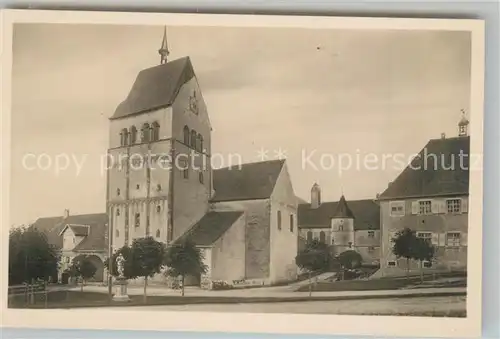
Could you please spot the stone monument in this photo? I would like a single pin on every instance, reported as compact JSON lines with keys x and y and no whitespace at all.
{"x":121,"y":281}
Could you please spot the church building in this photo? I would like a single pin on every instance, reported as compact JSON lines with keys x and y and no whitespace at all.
{"x":161,"y":183}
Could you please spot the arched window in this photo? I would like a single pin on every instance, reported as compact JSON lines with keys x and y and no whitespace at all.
{"x":158,"y":208}
{"x":186,"y":135}
{"x":279,"y":220}
{"x":291,"y":223}
{"x":145,"y":137}
{"x":124,"y":137}
{"x":200,"y":142}
{"x":133,"y":135}
{"x":155,"y":131}
{"x":322,"y":237}
{"x":137,"y":220}
{"x":157,"y":233}
{"x":117,"y":212}
{"x":193,"y":139}
{"x":309,"y":236}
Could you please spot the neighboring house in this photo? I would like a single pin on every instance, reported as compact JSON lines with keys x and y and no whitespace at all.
{"x":430,"y":197}
{"x":343,"y":225}
{"x":77,"y":235}
{"x":164,"y":115}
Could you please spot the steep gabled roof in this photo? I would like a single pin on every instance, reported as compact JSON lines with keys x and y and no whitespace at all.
{"x":156,"y":87}
{"x":52,"y":226}
{"x":211,"y":227}
{"x":436,"y":176}
{"x":366,"y":214}
{"x":248,"y":182}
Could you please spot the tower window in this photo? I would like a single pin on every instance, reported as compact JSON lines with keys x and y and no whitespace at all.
{"x":124,"y":137}
{"x":291,"y":223}
{"x":371,"y":234}
{"x":137,"y":221}
{"x":158,"y":208}
{"x":118,"y":192}
{"x":200,"y":140}
{"x":117,"y":212}
{"x":145,"y":137}
{"x":349,"y":244}
{"x":157,"y":233}
{"x":133,"y":135}
{"x":137,"y":186}
{"x":194,"y":136}
{"x":158,"y":187}
{"x":117,"y":233}
{"x":155,"y":131}
{"x":200,"y":177}
{"x":186,"y":135}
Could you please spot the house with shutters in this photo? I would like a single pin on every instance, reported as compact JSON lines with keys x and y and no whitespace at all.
{"x":430,"y":197}
{"x":74,"y":236}
{"x":343,"y":225}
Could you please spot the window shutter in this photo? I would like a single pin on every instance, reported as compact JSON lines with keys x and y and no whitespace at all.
{"x":463,"y":239}
{"x":442,"y":239}
{"x":435,"y":239}
{"x":434,"y":206}
{"x":465,"y":205}
{"x":414,"y":207}
{"x":442,"y":206}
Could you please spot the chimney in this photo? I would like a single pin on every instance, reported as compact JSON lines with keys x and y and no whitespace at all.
{"x":66,"y":213}
{"x":315,"y":196}
{"x":443,"y":136}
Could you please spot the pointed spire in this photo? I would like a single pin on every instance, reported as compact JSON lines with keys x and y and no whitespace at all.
{"x":343,"y":211}
{"x":163,"y":51}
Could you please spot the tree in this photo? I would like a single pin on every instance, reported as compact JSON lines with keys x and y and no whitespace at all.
{"x":129,"y":269}
{"x":348,"y":260}
{"x":31,"y":257}
{"x":183,"y":259}
{"x":404,"y":246}
{"x":423,"y":251}
{"x":148,"y":255}
{"x":82,"y":268}
{"x":315,"y":257}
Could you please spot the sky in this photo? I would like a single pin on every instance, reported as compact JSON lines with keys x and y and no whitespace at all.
{"x":322,"y":95}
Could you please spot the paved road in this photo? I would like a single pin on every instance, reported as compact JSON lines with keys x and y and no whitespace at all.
{"x":404,"y":306}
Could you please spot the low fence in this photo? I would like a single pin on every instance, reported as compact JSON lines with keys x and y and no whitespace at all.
{"x":27,"y":294}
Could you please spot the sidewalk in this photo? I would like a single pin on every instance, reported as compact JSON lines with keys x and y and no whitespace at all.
{"x":280,"y":292}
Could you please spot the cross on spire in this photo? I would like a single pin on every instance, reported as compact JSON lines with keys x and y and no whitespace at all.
{"x":163,"y":51}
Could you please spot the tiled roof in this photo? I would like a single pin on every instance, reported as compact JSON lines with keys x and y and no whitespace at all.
{"x":211,"y":227}
{"x":53,"y":226}
{"x":156,"y":87}
{"x":433,"y":178}
{"x":366,"y":214}
{"x":249,"y":182}
{"x":343,"y":210}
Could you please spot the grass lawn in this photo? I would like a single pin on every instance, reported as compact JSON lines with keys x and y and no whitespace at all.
{"x":385,"y":283}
